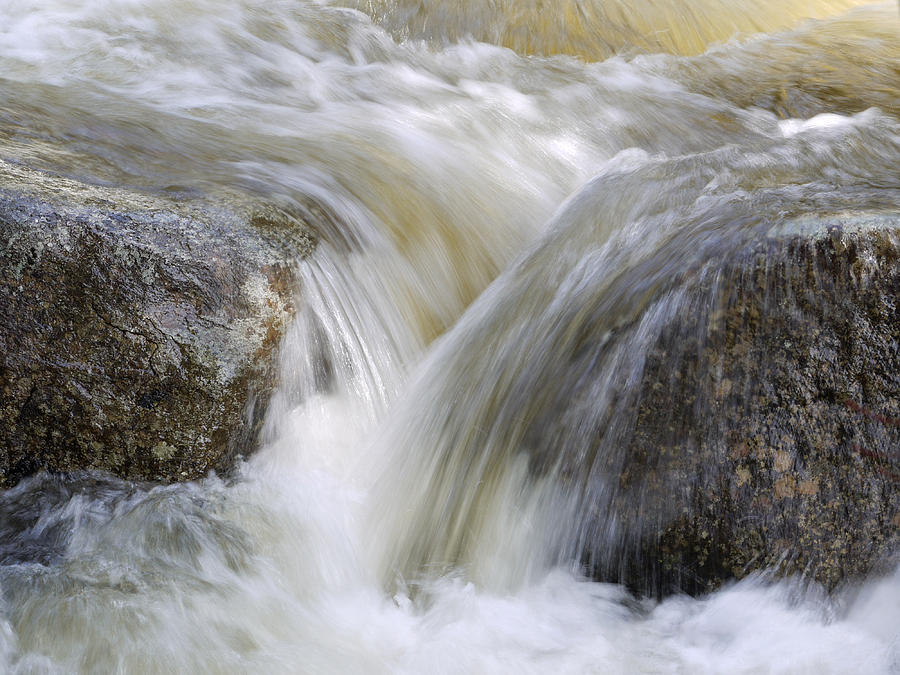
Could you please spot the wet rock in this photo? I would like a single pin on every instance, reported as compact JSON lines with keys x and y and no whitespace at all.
{"x":766,"y":433}
{"x":138,"y":332}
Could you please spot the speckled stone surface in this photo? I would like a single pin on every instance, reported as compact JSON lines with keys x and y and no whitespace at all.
{"x":139,"y":332}
{"x":766,"y":434}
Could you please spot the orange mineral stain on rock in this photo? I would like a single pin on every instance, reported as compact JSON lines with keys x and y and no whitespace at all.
{"x":739,"y":450}
{"x":808,"y":487}
{"x":784,"y":487}
{"x":782,"y":460}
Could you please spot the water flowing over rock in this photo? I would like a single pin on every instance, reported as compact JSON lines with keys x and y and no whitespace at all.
{"x":744,"y":418}
{"x":804,"y":72}
{"x":139,"y":331}
{"x":766,"y":429}
{"x":573,"y":322}
{"x":593,"y":29}
{"x":704,"y":385}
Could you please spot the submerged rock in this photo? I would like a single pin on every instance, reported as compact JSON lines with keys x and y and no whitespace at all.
{"x":138,"y":332}
{"x":766,"y":431}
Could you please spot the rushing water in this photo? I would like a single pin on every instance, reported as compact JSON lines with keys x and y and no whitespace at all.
{"x":502,"y":179}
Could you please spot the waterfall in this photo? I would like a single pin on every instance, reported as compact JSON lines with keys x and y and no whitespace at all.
{"x":524,"y":213}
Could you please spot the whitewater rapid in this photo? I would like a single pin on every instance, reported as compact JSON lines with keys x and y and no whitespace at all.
{"x":462,"y":152}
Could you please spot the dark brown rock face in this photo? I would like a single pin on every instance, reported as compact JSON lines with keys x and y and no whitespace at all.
{"x":766,"y":432}
{"x":138,"y":333}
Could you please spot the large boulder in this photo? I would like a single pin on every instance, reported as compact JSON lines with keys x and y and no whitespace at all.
{"x":766,"y":430}
{"x":138,"y":331}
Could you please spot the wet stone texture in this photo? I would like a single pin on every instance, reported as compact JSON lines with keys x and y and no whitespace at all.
{"x":138,"y":333}
{"x":767,"y":431}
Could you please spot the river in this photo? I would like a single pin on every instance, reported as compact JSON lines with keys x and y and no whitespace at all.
{"x":488,"y":170}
